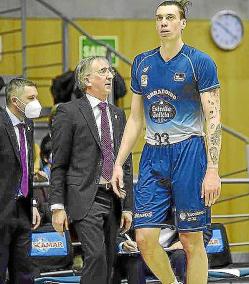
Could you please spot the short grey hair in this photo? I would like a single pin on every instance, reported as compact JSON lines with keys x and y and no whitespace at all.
{"x":83,"y":69}
{"x":15,"y":87}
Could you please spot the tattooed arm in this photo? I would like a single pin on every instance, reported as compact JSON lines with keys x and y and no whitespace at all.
{"x":211,"y":107}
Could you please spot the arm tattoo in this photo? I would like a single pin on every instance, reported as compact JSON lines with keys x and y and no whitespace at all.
{"x":213,"y":104}
{"x":215,"y":137}
{"x":214,"y":155}
{"x":213,"y":125}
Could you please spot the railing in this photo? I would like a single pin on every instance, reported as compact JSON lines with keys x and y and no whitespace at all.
{"x":242,"y":216}
{"x":242,"y":138}
{"x":83,"y":32}
{"x":65,"y":51}
{"x":65,"y":22}
{"x":64,"y":42}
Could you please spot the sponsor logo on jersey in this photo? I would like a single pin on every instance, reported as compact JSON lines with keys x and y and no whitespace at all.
{"x":145,"y":70}
{"x":179,"y":77}
{"x":161,"y":92}
{"x":191,"y":216}
{"x":162,"y":112}
{"x":143,"y":214}
{"x":182,"y":216}
{"x":144,"y":80}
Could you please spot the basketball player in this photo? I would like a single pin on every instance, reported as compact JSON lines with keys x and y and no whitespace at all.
{"x":176,"y":89}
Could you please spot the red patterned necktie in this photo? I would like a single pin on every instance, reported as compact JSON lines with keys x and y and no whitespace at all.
{"x":23,"y":156}
{"x":106,"y":143}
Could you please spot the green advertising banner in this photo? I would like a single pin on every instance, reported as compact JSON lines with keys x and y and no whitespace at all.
{"x":90,"y":48}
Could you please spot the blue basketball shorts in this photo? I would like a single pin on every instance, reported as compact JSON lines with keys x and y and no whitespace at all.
{"x":170,"y":179}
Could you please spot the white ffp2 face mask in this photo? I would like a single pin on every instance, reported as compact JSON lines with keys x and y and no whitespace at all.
{"x":32,"y":109}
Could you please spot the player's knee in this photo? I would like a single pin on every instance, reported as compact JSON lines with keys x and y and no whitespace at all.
{"x":145,"y":242}
{"x":141,"y":240}
{"x":192,"y":242}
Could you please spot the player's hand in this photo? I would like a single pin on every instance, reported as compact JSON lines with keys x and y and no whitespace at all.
{"x":130,"y":246}
{"x":40,"y":176}
{"x":59,"y":220}
{"x":36,"y":218}
{"x":211,"y":186}
{"x":177,"y":245}
{"x":126,"y":220}
{"x":118,"y":182}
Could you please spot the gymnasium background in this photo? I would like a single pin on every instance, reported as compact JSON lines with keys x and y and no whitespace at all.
{"x":135,"y":33}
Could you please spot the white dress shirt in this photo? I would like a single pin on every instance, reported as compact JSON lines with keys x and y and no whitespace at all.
{"x":97,"y":114}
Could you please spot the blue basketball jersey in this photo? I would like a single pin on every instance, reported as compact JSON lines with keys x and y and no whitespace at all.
{"x":171,"y":92}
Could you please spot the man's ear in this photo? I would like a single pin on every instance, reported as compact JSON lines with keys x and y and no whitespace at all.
{"x":87,"y":82}
{"x":183,"y":24}
{"x":13,"y":100}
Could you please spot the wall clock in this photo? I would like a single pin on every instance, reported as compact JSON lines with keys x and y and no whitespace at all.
{"x":227,"y":29}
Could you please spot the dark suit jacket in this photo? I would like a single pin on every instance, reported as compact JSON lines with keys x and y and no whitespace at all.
{"x":77,"y":162}
{"x":10,"y":166}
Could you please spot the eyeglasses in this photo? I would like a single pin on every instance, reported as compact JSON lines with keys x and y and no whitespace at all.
{"x":103,"y":71}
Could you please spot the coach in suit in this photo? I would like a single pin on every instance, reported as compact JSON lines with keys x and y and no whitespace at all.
{"x":16,"y":174}
{"x":86,"y":135}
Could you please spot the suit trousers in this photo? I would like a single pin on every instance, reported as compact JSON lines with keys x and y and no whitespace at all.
{"x":15,"y":245}
{"x":179,"y":264}
{"x":130,"y":267}
{"x":97,"y":233}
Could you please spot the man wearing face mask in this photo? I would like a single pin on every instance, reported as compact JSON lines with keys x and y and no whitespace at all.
{"x":17,"y":208}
